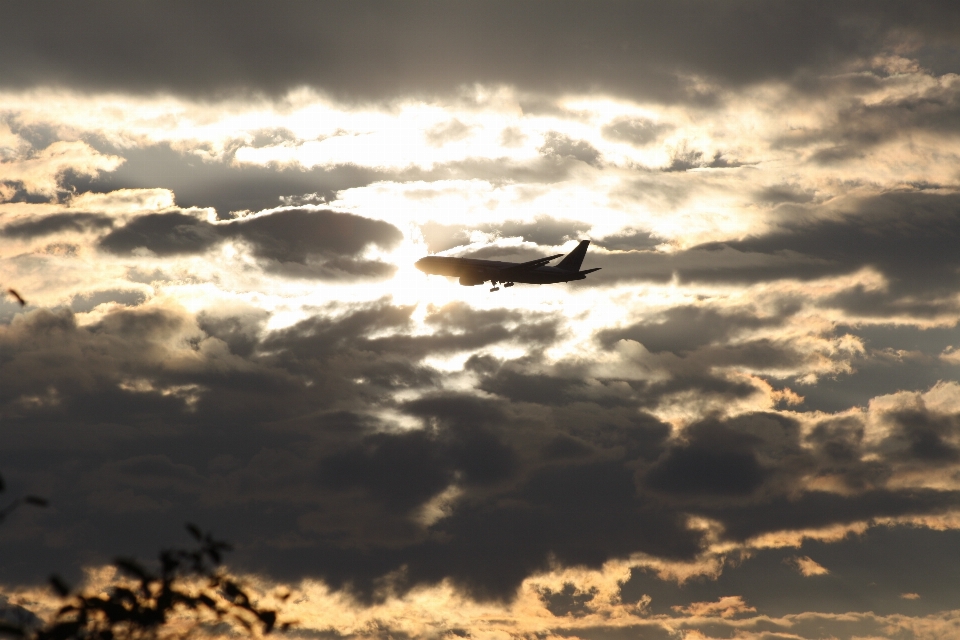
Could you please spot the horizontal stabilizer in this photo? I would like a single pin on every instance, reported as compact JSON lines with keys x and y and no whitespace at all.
{"x":585,"y":272}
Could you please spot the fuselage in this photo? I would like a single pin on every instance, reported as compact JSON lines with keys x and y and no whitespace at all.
{"x":479,"y":271}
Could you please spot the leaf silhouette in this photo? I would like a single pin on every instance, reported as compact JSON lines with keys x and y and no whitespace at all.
{"x":194,"y":531}
{"x":59,"y":586}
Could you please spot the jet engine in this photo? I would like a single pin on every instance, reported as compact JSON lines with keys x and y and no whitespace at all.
{"x":471,"y":280}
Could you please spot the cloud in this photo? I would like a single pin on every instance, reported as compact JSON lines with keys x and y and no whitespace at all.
{"x":542,"y":230}
{"x":560,"y":147}
{"x":568,"y":601}
{"x":395,"y":49}
{"x":293,"y":242}
{"x":860,"y":128}
{"x":629,"y":239}
{"x":37,"y":174}
{"x":807,"y":567}
{"x":702,"y":469}
{"x":470,"y":444}
{"x":778,"y":194}
{"x":451,"y":131}
{"x":685,"y":328}
{"x":635,"y":131}
{"x":577,"y":487}
{"x":894,"y":233}
{"x":224,"y":185}
{"x":726,"y":607}
{"x":532,"y":484}
{"x":162,"y":233}
{"x":907,"y":236}
{"x":57,"y":223}
{"x":227,"y":328}
{"x":88,"y":302}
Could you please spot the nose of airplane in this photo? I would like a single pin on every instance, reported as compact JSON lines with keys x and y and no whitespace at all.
{"x":420,"y":264}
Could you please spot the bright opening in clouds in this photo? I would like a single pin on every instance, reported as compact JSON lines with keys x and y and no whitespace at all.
{"x":747,"y":423}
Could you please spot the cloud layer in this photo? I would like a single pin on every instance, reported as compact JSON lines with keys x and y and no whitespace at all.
{"x":747,"y":423}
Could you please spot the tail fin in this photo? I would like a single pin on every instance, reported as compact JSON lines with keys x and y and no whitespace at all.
{"x":575,"y":258}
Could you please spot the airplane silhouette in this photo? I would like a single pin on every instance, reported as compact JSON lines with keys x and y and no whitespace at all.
{"x":473,"y":272}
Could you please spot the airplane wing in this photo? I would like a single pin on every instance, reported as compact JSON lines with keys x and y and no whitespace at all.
{"x":515,"y":269}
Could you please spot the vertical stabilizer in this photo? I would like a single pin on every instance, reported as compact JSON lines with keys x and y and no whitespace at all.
{"x":575,"y":258}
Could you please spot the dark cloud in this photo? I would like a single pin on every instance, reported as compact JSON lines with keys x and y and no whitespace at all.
{"x":274,"y":437}
{"x":629,"y":240}
{"x":561,"y":147}
{"x":520,"y":382}
{"x":696,"y":345}
{"x":684,"y":159}
{"x":399,"y":470}
{"x":710,"y":263}
{"x":923,"y":437}
{"x":57,"y":223}
{"x":205,"y":422}
{"x":162,"y":233}
{"x":703,"y":467}
{"x":731,"y":458}
{"x":778,"y":194}
{"x":224,"y":185}
{"x":839,"y":443}
{"x":381,"y":49}
{"x":897,"y":358}
{"x":241,"y":331}
{"x":295,"y":242}
{"x":908,"y":236}
{"x":223,"y":441}
{"x":862,"y":126}
{"x":685,"y":328}
{"x":293,"y":234}
{"x":542,"y":230}
{"x":458,"y":328}
{"x":539,"y":388}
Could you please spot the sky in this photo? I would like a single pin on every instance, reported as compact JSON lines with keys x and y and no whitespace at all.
{"x":745,"y":425}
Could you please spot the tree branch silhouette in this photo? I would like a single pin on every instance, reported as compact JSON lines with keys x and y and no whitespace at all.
{"x":139,"y":605}
{"x":189,"y":581}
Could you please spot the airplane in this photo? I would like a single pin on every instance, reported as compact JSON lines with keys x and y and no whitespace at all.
{"x":473,"y":272}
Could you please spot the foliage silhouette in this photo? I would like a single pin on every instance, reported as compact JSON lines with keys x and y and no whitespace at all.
{"x":32,"y":500}
{"x":188,"y":581}
{"x":7,"y":628}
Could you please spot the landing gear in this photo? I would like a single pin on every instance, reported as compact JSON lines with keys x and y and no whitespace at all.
{"x":508,"y":284}
{"x":495,"y":289}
